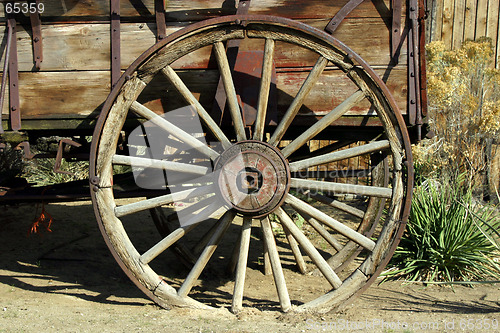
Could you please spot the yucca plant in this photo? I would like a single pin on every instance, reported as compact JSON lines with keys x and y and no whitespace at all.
{"x":448,"y":238}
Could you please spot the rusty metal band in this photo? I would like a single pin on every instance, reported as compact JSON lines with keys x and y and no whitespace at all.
{"x":115,"y":42}
{"x":232,"y":54}
{"x":341,"y":15}
{"x":15,"y":114}
{"x":5,"y":70}
{"x":36,"y":29}
{"x":422,"y":62}
{"x":161,"y":25}
{"x":396,"y":30}
{"x":412,"y":99}
{"x":413,"y":64}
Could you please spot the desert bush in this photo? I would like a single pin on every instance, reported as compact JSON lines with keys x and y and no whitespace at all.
{"x":449,"y":237}
{"x":464,"y":111}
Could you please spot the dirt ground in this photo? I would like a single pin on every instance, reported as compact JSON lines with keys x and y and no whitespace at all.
{"x":67,"y":281}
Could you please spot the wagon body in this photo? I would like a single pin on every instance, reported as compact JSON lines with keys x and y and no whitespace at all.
{"x":67,"y":91}
{"x":260,"y":79}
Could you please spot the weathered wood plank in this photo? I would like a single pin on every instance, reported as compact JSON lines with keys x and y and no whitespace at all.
{"x":492,"y":21}
{"x":481,"y":18}
{"x":497,"y":47}
{"x":470,"y":19}
{"x":194,"y":10}
{"x":57,"y":94}
{"x":447,"y":31}
{"x":87,"y":46}
{"x":437,"y":20}
{"x":459,"y":23}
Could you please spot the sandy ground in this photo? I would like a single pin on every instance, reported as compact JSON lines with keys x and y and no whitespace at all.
{"x":67,"y":281}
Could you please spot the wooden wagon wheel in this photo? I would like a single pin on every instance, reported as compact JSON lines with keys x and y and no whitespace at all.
{"x":256,"y":181}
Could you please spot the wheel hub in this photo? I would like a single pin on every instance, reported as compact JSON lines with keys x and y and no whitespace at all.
{"x":254,"y":177}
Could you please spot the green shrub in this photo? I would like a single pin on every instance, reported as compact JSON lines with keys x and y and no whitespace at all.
{"x":448,"y":238}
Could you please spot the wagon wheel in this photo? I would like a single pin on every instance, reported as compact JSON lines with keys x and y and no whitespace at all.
{"x":247,"y":181}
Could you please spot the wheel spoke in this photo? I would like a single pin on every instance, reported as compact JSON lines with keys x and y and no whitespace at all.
{"x":165,"y":243}
{"x":174,"y":130}
{"x":279,"y":277}
{"x":163,"y":200}
{"x":340,"y":155}
{"x":322,"y":231}
{"x":165,"y":226}
{"x":191,"y":99}
{"x":294,"y":246}
{"x":211,"y":207}
{"x":205,"y":256}
{"x":337,"y":204}
{"x":202,"y":243}
{"x":340,"y":188}
{"x":265,"y":85}
{"x":324,"y":150}
{"x":311,"y":251}
{"x":142,"y":162}
{"x":232,"y":98}
{"x":298,"y":100}
{"x":323,"y":123}
{"x":233,"y":260}
{"x":241,"y":266}
{"x":303,"y":207}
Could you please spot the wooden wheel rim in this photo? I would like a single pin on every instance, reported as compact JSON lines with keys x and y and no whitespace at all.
{"x":159,"y":57}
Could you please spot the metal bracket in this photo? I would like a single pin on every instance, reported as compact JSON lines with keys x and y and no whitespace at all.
{"x":423,"y":72}
{"x":25,"y":146}
{"x":36,"y":28}
{"x":396,"y":30}
{"x":413,"y":64}
{"x":341,"y":14}
{"x":5,"y":70}
{"x":59,"y":156}
{"x":115,"y":42}
{"x":161,"y":25}
{"x":15,"y":114}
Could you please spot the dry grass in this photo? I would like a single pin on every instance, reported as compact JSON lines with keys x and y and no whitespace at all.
{"x":464,"y":113}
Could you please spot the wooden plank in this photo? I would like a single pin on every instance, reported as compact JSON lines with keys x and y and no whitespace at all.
{"x":481,"y":18}
{"x":84,"y":46}
{"x":470,"y":19}
{"x":195,"y":10}
{"x":492,"y":20}
{"x":56,"y":94}
{"x":87,"y":46}
{"x":447,"y":32}
{"x":437,"y":20}
{"x":458,"y":23}
{"x":497,"y":47}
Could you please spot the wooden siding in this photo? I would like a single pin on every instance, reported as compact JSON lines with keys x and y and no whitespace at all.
{"x":454,"y":21}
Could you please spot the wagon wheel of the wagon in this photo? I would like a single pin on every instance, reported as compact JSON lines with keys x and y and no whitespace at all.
{"x":250,"y":177}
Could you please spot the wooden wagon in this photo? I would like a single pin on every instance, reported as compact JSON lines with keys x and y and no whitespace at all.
{"x":285,"y":124}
